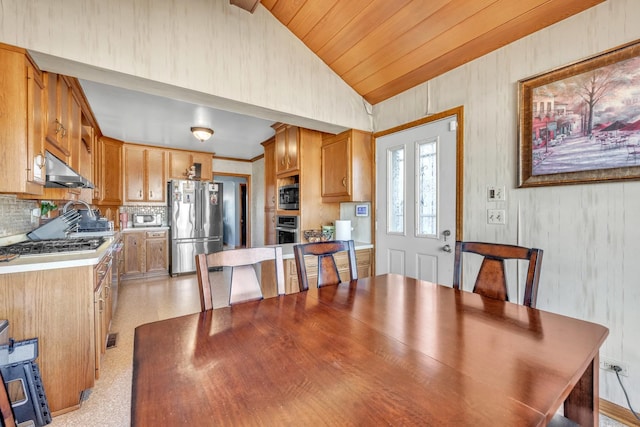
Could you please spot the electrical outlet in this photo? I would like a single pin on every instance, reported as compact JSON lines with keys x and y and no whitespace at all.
{"x":496,"y":216}
{"x":608,"y":364}
{"x":495,"y":193}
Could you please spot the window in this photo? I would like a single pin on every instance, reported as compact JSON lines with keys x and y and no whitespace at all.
{"x":395,"y":190}
{"x":426,"y":188}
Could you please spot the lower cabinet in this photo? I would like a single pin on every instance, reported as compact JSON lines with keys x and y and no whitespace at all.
{"x":146,"y":253}
{"x":363,"y":261}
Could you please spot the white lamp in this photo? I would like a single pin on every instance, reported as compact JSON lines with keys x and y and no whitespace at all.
{"x":202,"y":133}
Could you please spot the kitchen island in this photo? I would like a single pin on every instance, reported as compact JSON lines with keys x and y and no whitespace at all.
{"x":64,"y":301}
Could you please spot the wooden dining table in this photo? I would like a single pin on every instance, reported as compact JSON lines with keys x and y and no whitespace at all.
{"x":381,"y":350}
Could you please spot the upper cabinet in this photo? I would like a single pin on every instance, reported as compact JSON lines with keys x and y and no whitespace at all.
{"x":58,"y":125}
{"x":180,"y":163}
{"x":144,"y":174}
{"x":107,"y":172}
{"x":287,"y":149}
{"x":22,"y":106}
{"x":347,"y":167}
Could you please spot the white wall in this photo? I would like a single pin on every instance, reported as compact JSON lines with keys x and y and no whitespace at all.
{"x":204,"y":51}
{"x":589,"y":233}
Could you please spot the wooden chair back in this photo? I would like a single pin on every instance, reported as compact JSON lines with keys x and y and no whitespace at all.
{"x":244,"y":284}
{"x":491,"y":280}
{"x":327,"y":270}
{"x":5,"y":406}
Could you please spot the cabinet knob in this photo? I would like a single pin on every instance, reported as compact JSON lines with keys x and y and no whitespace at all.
{"x":344,"y":182}
{"x":151,"y":194}
{"x":140,"y":194}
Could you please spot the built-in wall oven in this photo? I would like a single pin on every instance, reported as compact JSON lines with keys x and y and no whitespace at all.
{"x":287,"y":229}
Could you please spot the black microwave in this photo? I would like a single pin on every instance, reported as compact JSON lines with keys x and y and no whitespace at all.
{"x":289,"y":197}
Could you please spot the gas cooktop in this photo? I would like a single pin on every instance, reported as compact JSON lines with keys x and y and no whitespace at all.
{"x":54,"y":246}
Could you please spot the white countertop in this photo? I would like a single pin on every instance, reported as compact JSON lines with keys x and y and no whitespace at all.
{"x":59,"y":260}
{"x":155,"y":228}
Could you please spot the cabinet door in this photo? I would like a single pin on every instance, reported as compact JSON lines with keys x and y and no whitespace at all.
{"x":336,"y":167}
{"x":35,"y":127}
{"x":58,"y":93}
{"x":293,"y":148}
{"x":281,"y":150}
{"x":134,"y":173}
{"x":134,"y":253}
{"x":20,"y":125}
{"x":156,"y":252}
{"x":270,"y":175}
{"x":98,"y":324}
{"x":110,"y":172}
{"x":270,"y":227}
{"x":156,"y":176}
{"x":206,"y":166}
{"x":179,"y":164}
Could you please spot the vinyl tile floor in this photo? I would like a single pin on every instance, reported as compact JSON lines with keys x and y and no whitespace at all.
{"x":139,"y":302}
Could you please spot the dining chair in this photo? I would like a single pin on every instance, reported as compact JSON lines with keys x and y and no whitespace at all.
{"x":243,"y":283}
{"x":5,"y":406}
{"x":491,"y":279}
{"x":327,"y":269}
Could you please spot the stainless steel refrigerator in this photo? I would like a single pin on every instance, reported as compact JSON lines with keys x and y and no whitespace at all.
{"x":195,"y":218}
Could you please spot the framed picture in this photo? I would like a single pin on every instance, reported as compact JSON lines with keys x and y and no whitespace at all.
{"x":581,"y":123}
{"x":362,"y":210}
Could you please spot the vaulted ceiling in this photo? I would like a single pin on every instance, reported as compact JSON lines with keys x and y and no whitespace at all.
{"x":383,"y":47}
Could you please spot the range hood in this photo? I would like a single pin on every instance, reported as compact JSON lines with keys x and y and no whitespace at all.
{"x":60,"y":175}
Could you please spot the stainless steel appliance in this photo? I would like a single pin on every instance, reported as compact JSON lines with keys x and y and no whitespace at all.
{"x":289,"y":197}
{"x":287,"y":230}
{"x":54,"y":246}
{"x":195,"y":218}
{"x":147,"y":220}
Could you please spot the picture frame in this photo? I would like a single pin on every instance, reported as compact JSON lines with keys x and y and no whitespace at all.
{"x":581,"y":123}
{"x":362,"y":210}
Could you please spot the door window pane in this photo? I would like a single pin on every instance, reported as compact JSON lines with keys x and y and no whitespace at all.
{"x":395,"y":190}
{"x":426,"y":188}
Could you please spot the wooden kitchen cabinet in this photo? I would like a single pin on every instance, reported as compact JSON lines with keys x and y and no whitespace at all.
{"x":287,"y":148}
{"x":102,"y":311}
{"x":144,"y":174}
{"x":270,"y":196}
{"x":181,"y":161}
{"x":59,"y":95}
{"x":57,"y":307}
{"x":347,"y":169}
{"x":146,"y":253}
{"x":157,"y":248}
{"x":22,"y":114}
{"x":107,"y":172}
{"x":134,"y":253}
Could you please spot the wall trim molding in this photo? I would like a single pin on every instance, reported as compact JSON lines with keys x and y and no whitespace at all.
{"x":618,"y":413}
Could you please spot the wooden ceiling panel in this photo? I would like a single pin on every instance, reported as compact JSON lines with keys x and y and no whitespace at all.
{"x":308,"y":16}
{"x":392,"y":29}
{"x":406,"y":47}
{"x":371,"y":17}
{"x":382,"y":48}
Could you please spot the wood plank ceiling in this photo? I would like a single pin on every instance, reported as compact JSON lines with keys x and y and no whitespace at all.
{"x":384,"y":47}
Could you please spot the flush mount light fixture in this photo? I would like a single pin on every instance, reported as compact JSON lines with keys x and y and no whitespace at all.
{"x":202,"y":133}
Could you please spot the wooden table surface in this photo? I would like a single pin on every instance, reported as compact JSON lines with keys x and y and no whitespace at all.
{"x":382,"y":350}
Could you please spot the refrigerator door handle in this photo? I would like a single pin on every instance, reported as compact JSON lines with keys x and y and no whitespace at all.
{"x":198,"y":197}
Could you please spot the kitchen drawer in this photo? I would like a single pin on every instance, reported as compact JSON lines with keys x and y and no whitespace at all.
{"x":156,"y":234}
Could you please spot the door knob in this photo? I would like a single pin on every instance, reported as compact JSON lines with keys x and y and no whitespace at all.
{"x":446,"y":233}
{"x":447,"y":248}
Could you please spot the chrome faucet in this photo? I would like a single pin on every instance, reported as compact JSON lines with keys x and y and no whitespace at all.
{"x":73,"y":202}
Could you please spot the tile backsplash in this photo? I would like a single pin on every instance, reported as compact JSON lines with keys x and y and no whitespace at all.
{"x":146,"y":210}
{"x":15,"y":215}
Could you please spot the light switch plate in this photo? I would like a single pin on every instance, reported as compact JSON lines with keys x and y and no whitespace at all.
{"x":496,"y":216}
{"x":495,"y":193}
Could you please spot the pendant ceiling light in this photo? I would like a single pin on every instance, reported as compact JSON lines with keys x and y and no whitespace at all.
{"x":202,"y":133}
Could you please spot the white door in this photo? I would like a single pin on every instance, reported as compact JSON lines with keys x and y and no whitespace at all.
{"x":416,"y":201}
